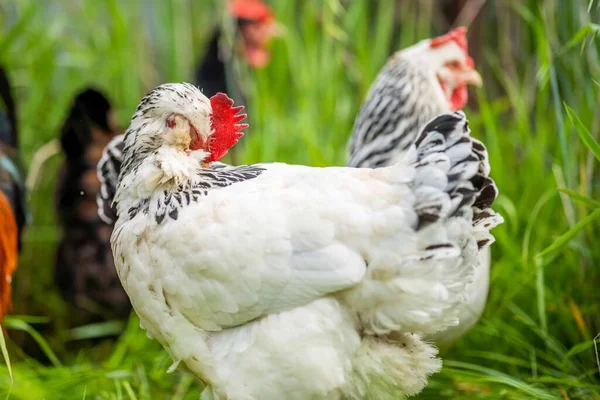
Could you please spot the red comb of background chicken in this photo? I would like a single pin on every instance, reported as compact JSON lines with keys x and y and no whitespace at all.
{"x":254,"y":10}
{"x":226,"y":130}
{"x":458,"y":36}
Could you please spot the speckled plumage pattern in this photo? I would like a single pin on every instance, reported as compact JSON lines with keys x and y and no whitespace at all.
{"x":406,"y":95}
{"x":108,"y":170}
{"x":170,"y":202}
{"x":399,"y":103}
{"x":297,"y":282}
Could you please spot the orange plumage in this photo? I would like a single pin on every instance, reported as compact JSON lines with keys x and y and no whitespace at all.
{"x":8,"y":253}
{"x":13,"y":207}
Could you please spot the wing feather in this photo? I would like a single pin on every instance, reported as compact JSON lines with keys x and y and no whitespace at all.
{"x":265,"y":256}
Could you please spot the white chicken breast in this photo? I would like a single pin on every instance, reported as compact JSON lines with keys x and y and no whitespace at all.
{"x":274,"y":281}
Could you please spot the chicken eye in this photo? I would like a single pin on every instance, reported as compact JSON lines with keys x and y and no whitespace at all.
{"x":453,"y":64}
{"x":171,"y":122}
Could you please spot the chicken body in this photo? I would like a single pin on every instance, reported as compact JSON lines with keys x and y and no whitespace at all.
{"x":266,"y":261}
{"x":405,"y":95}
{"x":276,"y":281}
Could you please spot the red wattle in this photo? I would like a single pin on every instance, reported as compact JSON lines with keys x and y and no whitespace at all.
{"x":257,"y":57}
{"x":459,"y":97}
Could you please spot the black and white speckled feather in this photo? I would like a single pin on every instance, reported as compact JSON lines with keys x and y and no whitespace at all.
{"x":168,"y":203}
{"x":401,"y":101}
{"x":109,"y":168}
{"x":452,"y":176}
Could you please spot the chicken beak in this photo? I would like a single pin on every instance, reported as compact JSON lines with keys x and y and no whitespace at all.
{"x":470,"y":77}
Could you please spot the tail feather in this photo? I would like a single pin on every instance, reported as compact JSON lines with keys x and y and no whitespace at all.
{"x":439,"y":261}
{"x":108,"y":169}
{"x":452,"y":176}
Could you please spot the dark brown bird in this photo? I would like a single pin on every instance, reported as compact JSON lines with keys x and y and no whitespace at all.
{"x":85,"y":271}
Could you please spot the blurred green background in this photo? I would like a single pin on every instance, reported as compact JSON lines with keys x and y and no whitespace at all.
{"x":541,"y":97}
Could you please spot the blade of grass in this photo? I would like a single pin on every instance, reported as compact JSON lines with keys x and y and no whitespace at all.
{"x":13,"y":323}
{"x":579,"y":197}
{"x":567,"y":236}
{"x":541,"y":295}
{"x":583,"y":133}
{"x":98,"y":330}
{"x":5,"y":353}
{"x":491,"y":375}
{"x":596,"y":339}
{"x":582,"y":34}
{"x":129,"y":390}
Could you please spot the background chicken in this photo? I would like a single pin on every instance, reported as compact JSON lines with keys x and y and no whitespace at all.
{"x":13,"y":211}
{"x":254,"y":26}
{"x":242,"y":273}
{"x":85,"y":271}
{"x":415,"y":85}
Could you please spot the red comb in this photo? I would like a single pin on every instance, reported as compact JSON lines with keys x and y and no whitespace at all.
{"x":459,"y":36}
{"x":226,"y":130}
{"x":254,"y":10}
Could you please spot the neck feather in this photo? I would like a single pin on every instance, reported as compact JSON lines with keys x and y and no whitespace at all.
{"x":164,"y":169}
{"x":401,"y":100}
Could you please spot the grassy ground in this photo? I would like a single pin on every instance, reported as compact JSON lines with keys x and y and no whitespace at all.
{"x":539,"y":60}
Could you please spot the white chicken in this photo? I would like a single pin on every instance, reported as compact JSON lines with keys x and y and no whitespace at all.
{"x":275,"y":281}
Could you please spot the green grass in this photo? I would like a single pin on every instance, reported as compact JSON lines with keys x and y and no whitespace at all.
{"x":538,"y":114}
